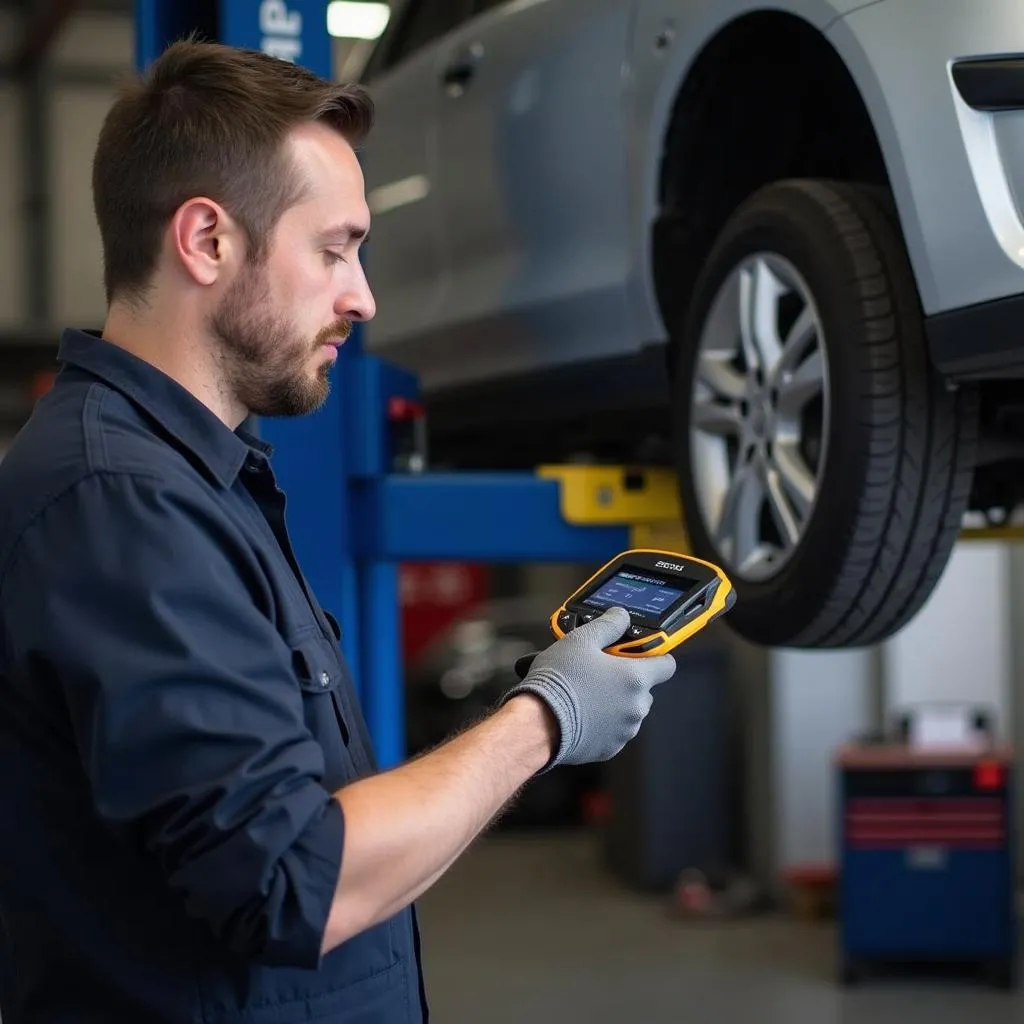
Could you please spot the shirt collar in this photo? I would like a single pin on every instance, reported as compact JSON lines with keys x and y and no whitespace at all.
{"x":221,"y":450}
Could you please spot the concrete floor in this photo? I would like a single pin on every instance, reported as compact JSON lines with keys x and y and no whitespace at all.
{"x":534,"y":928}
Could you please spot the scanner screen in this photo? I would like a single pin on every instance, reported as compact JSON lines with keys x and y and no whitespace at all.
{"x":640,"y":592}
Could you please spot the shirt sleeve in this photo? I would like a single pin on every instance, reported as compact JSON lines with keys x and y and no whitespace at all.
{"x":184,"y":705}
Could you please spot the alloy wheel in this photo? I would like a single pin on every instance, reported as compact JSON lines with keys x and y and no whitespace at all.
{"x":759,"y":415}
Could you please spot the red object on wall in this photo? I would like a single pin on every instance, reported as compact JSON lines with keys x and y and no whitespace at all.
{"x":433,"y":595}
{"x":988,"y":775}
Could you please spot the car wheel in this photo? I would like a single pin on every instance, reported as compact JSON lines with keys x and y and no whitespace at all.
{"x":822,"y":461}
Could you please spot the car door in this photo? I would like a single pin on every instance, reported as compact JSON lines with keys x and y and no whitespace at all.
{"x":403,"y":261}
{"x":532,"y":181}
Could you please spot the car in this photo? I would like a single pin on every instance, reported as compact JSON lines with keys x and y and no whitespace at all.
{"x":779,"y":248}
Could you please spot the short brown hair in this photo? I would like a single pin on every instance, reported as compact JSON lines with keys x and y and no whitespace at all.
{"x":206,"y":119}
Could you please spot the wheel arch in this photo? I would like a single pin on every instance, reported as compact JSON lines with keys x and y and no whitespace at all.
{"x":793,"y":109}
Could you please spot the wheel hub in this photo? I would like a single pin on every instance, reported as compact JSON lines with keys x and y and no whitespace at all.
{"x":760,"y":395}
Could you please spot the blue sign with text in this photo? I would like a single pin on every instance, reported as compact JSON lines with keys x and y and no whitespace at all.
{"x":294,"y":30}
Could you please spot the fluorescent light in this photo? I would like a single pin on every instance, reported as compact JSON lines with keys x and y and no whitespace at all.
{"x":357,"y":19}
{"x":386,"y":198}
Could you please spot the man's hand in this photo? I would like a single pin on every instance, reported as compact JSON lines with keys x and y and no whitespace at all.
{"x":405,"y":827}
{"x":599,"y":700}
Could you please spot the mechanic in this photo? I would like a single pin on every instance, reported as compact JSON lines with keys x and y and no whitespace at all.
{"x":194,"y":827}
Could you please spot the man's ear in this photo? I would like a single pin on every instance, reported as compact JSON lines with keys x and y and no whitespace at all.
{"x":205,"y":239}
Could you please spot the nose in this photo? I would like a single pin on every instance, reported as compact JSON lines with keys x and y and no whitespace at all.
{"x":356,"y":302}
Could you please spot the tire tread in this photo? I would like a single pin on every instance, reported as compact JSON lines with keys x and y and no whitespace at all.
{"x":903,"y":535}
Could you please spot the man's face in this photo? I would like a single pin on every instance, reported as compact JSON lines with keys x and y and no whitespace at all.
{"x":278,"y":325}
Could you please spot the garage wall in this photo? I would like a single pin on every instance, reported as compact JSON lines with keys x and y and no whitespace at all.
{"x":105,"y":43}
{"x":91,"y":52}
{"x":94,"y":48}
{"x":820,"y":701}
{"x":77,"y":283}
{"x":11,"y":287}
{"x":960,"y":647}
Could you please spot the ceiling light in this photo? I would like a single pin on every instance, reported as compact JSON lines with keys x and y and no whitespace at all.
{"x":357,"y":19}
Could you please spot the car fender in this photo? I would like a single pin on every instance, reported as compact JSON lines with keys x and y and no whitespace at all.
{"x":941,"y":156}
{"x":668,"y":38}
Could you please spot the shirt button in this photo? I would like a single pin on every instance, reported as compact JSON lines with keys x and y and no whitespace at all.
{"x":325,"y":679}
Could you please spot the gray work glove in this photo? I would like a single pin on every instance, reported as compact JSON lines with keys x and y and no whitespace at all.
{"x":600,"y":700}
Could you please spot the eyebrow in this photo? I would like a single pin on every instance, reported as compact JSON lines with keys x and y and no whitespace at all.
{"x":350,"y":230}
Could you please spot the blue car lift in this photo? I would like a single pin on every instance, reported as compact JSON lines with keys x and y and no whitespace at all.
{"x":354,"y":518}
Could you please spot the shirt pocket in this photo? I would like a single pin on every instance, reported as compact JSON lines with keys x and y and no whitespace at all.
{"x":335,"y":626}
{"x":319,"y":675}
{"x":360,"y":744}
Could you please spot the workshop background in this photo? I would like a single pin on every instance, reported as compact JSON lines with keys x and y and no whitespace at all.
{"x":696,"y":876}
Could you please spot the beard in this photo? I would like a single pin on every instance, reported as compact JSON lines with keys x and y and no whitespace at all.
{"x":265,"y":359}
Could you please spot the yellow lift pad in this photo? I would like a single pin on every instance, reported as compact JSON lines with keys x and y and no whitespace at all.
{"x":646,"y":499}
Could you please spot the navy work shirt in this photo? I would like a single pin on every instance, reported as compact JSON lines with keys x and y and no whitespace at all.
{"x":175,"y":714}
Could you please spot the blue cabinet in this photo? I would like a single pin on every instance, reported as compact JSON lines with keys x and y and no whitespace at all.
{"x":927,"y":902}
{"x":926,"y":861}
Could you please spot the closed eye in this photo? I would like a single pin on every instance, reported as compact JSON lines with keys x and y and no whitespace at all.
{"x":333,"y":257}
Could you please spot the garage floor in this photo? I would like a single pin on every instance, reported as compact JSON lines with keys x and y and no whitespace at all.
{"x":534,"y":928}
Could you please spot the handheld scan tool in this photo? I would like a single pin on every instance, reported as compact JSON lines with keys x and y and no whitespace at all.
{"x":669,"y":597}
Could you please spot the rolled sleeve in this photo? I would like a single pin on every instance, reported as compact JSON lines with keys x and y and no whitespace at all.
{"x":148,"y":613}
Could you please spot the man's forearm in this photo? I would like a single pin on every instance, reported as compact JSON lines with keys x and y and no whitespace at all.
{"x":405,"y":827}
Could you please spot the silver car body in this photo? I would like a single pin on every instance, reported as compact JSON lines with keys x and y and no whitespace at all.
{"x":512,"y":215}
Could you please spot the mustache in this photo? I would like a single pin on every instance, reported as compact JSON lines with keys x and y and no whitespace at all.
{"x":337,"y":332}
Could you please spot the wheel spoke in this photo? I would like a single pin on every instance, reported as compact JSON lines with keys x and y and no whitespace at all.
{"x":760,"y":290}
{"x":739,"y":527}
{"x":798,"y":339}
{"x":748,"y":327}
{"x":766,"y":316}
{"x":795,"y":477}
{"x":717,"y":418}
{"x":782,"y":511}
{"x":714,"y":371}
{"x":806,"y":383}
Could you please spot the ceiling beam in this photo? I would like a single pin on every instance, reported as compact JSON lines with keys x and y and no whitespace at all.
{"x":40,"y":32}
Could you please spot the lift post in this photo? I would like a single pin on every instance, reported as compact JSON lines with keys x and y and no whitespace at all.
{"x":559,"y":514}
{"x":353,"y":515}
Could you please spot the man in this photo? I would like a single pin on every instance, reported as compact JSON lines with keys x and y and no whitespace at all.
{"x":193,"y":826}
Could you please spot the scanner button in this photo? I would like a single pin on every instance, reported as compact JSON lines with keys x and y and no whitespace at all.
{"x":566,"y":621}
{"x":585,"y":617}
{"x":636,"y":632}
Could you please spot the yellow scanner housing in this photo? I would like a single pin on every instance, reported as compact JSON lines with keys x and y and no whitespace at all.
{"x":669,"y":597}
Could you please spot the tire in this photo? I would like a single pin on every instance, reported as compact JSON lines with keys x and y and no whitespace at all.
{"x":893,"y":449}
